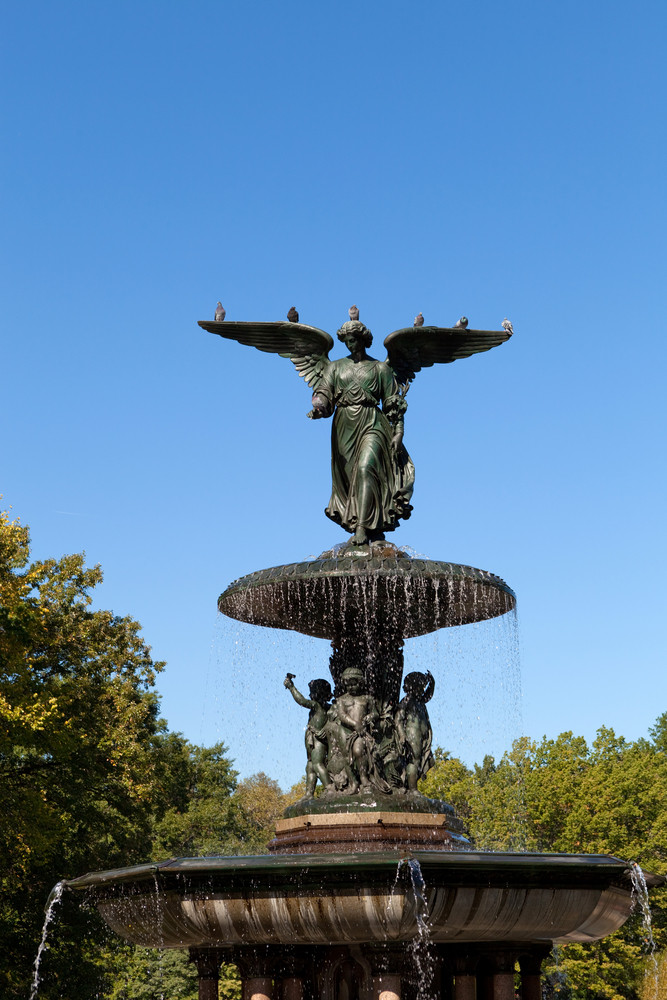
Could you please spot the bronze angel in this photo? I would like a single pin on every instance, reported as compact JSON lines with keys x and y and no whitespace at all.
{"x":372,"y":473}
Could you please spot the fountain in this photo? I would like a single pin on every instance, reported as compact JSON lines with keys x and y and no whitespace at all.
{"x":370,"y":889}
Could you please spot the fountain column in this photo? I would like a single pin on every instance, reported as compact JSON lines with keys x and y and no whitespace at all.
{"x":499,"y":981}
{"x":465,"y":978}
{"x":531,"y":969}
{"x":465,"y":986}
{"x":208,"y":961}
{"x":292,"y":988}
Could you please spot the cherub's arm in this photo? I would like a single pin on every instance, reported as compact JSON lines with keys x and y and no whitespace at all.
{"x":298,"y":697}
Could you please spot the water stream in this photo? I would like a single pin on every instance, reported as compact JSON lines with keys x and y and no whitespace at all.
{"x":420,"y":946}
{"x":54,"y":899}
{"x":640,"y":897}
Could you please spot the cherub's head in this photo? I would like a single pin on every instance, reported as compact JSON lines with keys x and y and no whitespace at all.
{"x":415,"y":683}
{"x":320,"y":690}
{"x":354,"y":332}
{"x":353,"y":680}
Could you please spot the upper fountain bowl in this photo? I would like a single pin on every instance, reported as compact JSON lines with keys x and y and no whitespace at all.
{"x":381,"y":587}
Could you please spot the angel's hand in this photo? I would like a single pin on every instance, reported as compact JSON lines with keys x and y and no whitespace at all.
{"x":320,"y":406}
{"x":397,"y":441}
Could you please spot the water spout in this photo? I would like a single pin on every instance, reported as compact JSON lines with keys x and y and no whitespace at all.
{"x":640,"y":896}
{"x":53,"y":900}
{"x":421,"y":944}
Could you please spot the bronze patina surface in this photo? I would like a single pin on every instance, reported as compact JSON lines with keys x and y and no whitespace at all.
{"x":372,"y":473}
{"x":337,"y":594}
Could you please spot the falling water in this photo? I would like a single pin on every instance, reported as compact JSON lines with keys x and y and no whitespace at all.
{"x":555,"y":980}
{"x":421,"y":945}
{"x":54,"y":899}
{"x":476,"y":708}
{"x":640,"y":896}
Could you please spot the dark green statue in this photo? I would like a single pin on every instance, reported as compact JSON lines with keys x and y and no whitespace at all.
{"x":357,"y":744}
{"x":414,"y":727}
{"x":317,"y":747}
{"x":372,"y":474}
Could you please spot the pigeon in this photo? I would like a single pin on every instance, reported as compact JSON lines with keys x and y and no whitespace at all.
{"x":354,"y":313}
{"x":419,"y":320}
{"x":461,"y":324}
{"x":507,"y":326}
{"x":293,"y":315}
{"x":219,"y":313}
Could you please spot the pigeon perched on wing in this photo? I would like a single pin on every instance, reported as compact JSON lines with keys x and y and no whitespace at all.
{"x":461,"y":324}
{"x":293,"y":315}
{"x":419,"y":320}
{"x":506,"y":325}
{"x":219,"y":313}
{"x":354,"y":313}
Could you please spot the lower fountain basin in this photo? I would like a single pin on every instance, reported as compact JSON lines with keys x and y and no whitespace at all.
{"x":382,"y":587}
{"x":363,"y":898}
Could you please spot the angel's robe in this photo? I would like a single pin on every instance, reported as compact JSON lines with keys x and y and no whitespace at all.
{"x":371,"y":485}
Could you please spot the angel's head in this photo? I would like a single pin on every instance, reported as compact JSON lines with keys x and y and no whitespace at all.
{"x":355,"y":333}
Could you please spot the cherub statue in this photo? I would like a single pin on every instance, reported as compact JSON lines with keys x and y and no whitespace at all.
{"x":372,"y":474}
{"x":316,"y":739}
{"x":353,"y":719}
{"x":414,"y":727}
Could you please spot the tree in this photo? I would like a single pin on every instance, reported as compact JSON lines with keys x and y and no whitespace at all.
{"x":560,"y":795}
{"x":80,"y":749}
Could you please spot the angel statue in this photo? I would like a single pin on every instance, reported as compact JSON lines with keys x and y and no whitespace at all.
{"x":372,"y":473}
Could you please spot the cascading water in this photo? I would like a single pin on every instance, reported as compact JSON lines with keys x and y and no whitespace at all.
{"x":470,"y":720}
{"x":640,"y":898}
{"x":54,"y":900}
{"x":421,"y":944}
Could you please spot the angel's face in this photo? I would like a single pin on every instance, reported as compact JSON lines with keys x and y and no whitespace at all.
{"x":353,"y":342}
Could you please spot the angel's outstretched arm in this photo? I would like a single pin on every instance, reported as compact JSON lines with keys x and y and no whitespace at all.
{"x":307,"y":347}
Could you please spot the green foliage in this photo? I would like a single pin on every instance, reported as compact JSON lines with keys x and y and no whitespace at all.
{"x":90,"y":779}
{"x":79,"y":738}
{"x":561,"y":795}
{"x":654,"y":981}
{"x":134,"y":973}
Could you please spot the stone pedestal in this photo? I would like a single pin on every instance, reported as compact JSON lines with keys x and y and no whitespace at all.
{"x":328,"y":833}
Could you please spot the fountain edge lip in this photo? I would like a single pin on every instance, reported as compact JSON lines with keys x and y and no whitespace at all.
{"x":359,"y":566}
{"x":460,"y":865}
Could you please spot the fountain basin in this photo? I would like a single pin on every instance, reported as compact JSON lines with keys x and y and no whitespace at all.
{"x":363,"y":898}
{"x":384,"y":587}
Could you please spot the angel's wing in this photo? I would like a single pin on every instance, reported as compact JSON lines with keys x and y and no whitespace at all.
{"x":413,"y":348}
{"x":306,"y":346}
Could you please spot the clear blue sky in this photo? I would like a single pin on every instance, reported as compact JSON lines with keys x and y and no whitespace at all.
{"x":480,"y":158}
